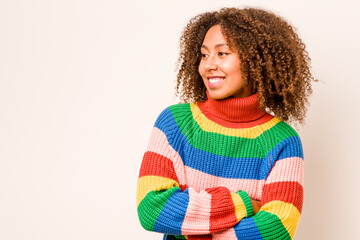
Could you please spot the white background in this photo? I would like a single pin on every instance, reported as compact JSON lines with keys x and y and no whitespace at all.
{"x":82,"y":82}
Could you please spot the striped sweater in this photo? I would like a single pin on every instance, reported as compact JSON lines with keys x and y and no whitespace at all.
{"x":206,"y":161}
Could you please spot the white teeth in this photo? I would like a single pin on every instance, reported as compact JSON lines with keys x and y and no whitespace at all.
{"x":215,"y":80}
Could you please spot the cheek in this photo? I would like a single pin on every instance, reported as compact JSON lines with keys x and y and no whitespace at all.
{"x":233,"y":68}
{"x":201,"y":69}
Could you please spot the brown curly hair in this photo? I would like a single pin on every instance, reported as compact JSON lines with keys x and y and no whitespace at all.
{"x":274,"y":60}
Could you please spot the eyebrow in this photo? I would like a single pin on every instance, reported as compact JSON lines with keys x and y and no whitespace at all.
{"x":216,"y":46}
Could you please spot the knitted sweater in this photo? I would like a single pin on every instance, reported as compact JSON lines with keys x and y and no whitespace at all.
{"x":206,"y":160}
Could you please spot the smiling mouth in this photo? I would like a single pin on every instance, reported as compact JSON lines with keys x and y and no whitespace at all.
{"x":215,"y":81}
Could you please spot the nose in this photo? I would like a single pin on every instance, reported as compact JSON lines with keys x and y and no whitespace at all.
{"x":211,"y":63}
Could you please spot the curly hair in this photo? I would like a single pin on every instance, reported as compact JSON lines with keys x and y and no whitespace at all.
{"x":274,"y":60}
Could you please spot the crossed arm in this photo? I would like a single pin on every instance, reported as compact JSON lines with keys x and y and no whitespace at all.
{"x":166,"y":206}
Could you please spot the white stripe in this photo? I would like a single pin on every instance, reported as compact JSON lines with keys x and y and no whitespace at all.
{"x":159,"y":144}
{"x":197,"y":218}
{"x":200,"y":180}
{"x":287,"y":169}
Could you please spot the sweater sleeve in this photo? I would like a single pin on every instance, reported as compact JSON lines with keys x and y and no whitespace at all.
{"x":281,"y":200}
{"x":165,"y":204}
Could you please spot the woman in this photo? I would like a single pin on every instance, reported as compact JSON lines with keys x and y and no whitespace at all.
{"x":225,"y":164}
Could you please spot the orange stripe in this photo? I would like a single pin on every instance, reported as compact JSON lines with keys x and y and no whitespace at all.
{"x":157,"y":165}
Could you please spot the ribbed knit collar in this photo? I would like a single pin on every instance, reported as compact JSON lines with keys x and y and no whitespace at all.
{"x":234,"y":109}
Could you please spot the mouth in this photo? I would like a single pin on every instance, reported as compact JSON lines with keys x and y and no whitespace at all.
{"x":215,"y":81}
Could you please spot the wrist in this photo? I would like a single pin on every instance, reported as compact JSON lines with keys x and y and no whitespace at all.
{"x":243,"y":205}
{"x":247,"y":202}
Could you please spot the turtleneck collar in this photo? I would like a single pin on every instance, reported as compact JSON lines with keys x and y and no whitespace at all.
{"x":236,"y":110}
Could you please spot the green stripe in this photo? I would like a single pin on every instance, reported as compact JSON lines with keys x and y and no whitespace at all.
{"x":150,"y":207}
{"x":229,"y":146}
{"x":270,"y":226}
{"x":247,"y":202}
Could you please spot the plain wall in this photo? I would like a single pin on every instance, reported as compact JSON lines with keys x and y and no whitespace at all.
{"x":82,"y":82}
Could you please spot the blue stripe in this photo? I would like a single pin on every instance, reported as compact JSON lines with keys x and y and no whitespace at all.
{"x":246,"y":229}
{"x":290,"y":147}
{"x":226,"y":167}
{"x":173,"y":213}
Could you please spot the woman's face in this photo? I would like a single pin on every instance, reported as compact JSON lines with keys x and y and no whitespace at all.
{"x":220,"y":67}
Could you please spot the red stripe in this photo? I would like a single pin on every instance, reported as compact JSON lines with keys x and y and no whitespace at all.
{"x":267,"y":117}
{"x":222,"y":212}
{"x":154,"y":164}
{"x":289,"y":192}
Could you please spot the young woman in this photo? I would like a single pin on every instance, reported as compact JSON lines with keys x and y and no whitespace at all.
{"x":226,"y":164}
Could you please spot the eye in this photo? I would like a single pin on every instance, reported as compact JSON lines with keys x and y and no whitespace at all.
{"x":223,"y":53}
{"x":203,"y":55}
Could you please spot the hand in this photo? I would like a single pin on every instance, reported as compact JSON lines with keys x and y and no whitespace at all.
{"x":256,"y":205}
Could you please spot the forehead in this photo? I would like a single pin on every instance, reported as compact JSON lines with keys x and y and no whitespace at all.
{"x":214,"y":36}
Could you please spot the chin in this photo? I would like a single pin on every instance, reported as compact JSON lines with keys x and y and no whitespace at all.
{"x":217,"y":94}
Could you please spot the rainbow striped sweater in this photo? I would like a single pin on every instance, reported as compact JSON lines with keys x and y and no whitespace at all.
{"x":206,"y":161}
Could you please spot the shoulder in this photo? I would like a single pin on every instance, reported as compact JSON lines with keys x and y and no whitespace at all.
{"x":173,"y":115}
{"x":289,"y":142}
{"x":284,"y":130}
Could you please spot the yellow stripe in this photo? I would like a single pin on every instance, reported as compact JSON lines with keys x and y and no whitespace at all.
{"x":240,"y":209}
{"x":147,"y":184}
{"x":209,"y":126}
{"x":288,"y":214}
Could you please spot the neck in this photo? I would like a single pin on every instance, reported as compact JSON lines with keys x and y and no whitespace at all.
{"x":234,"y":110}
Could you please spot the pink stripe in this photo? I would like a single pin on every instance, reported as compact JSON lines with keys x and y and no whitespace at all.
{"x":197,"y":218}
{"x":251,"y":186}
{"x":228,"y":234}
{"x":160,"y":145}
{"x":287,"y":169}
